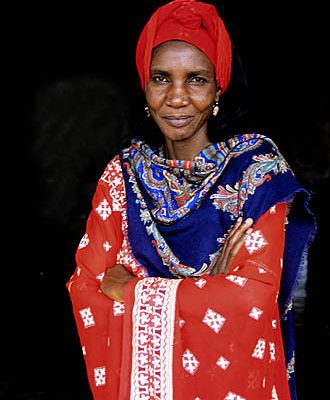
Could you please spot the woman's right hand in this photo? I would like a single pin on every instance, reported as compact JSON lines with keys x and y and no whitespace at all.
{"x":232,"y":245}
{"x":114,"y":281}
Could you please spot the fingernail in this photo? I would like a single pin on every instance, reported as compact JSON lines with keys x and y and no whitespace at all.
{"x":248,"y":221}
{"x":239,"y":219}
{"x":249,"y":231}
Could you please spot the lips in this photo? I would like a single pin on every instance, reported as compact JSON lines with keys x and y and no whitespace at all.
{"x":178,"y":121}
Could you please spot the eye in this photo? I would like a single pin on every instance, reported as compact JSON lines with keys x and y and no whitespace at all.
{"x":160,"y":79}
{"x":198,"y":80}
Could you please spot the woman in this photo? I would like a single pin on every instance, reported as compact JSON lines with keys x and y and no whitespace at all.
{"x":175,"y":294}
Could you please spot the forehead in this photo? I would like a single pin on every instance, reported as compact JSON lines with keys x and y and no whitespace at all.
{"x":179,"y":53}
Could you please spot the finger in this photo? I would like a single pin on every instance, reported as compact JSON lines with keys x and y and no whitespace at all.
{"x":234,"y":227}
{"x":247,"y":223}
{"x":231,"y":232}
{"x":240,"y":230}
{"x":238,"y":233}
{"x":216,"y":268}
{"x":234,"y":251}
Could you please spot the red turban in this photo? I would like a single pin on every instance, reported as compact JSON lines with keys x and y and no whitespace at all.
{"x":193,"y":22}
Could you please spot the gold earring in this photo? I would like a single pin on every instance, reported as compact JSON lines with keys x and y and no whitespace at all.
{"x":215,"y":108}
{"x":146,"y":109}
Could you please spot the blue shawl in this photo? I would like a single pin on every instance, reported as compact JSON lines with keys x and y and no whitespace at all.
{"x":179,"y":211}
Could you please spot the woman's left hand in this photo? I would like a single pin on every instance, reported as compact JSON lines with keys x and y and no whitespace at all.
{"x":232,"y":245}
{"x":114,"y":281}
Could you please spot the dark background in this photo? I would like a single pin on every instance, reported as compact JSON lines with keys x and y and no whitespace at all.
{"x":72,"y":83}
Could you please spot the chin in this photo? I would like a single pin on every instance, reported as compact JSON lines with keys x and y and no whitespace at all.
{"x":178,"y":136}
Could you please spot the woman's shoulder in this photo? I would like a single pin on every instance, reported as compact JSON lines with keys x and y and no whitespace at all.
{"x":250,"y":141}
{"x":112,"y":172}
{"x":245,"y":146}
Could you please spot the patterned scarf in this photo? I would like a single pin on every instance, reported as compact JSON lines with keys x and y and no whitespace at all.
{"x":179,"y":212}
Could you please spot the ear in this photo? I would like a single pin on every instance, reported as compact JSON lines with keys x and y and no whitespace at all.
{"x":217,"y":94}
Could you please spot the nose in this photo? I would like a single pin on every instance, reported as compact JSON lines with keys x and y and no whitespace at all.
{"x":177,"y":95}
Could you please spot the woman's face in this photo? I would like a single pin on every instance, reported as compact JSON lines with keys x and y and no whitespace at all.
{"x":181,"y":90}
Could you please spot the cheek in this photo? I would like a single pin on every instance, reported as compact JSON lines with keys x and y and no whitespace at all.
{"x":154,"y":98}
{"x":202,"y":101}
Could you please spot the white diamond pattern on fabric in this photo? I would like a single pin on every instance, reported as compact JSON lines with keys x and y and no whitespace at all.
{"x":84,"y":241}
{"x":152,"y":338}
{"x":238,"y":280}
{"x":259,"y":350}
{"x":118,"y":308}
{"x":272,"y":351}
{"x":87,"y":317}
{"x":189,"y":362}
{"x":255,"y":241}
{"x":214,"y":320}
{"x":200,"y":283}
{"x":104,"y":209}
{"x":100,"y":277}
{"x":255,"y":313}
{"x":223,"y":363}
{"x":107,"y":246}
{"x":99,"y":376}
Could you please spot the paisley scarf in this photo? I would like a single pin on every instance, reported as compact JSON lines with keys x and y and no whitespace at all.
{"x":179,"y":212}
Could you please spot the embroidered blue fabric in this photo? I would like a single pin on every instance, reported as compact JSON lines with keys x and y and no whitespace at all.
{"x":179,"y":212}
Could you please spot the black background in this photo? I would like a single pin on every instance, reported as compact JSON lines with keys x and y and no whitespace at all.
{"x":54,"y":151}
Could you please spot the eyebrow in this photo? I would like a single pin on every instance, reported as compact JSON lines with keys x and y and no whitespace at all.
{"x":202,"y":72}
{"x":159,"y":71}
{"x":191,"y":73}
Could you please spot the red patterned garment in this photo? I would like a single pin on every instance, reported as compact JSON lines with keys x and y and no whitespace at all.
{"x":202,"y":338}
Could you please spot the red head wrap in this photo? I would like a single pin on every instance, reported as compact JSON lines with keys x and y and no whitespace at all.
{"x":194,"y":22}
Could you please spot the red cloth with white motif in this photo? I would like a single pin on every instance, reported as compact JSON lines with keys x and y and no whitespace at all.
{"x":207,"y":338}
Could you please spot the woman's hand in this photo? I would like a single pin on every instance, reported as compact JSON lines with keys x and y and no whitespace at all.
{"x":114,"y":281}
{"x":232,"y":245}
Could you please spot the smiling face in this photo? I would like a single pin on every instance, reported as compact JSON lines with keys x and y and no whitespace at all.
{"x":181,"y":91}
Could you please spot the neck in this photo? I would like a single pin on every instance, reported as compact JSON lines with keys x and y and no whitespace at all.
{"x":185,"y":149}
